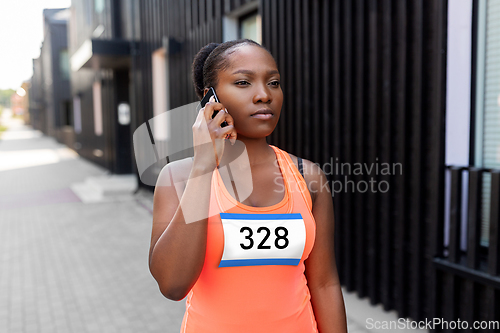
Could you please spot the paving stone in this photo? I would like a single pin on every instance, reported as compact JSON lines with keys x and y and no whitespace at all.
{"x":70,"y":266}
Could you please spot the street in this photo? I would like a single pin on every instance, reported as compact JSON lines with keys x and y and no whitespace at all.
{"x":69,"y":265}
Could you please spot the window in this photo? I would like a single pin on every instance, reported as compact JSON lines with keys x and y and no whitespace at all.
{"x":249,"y":27}
{"x":99,"y":6}
{"x":88,"y":12}
{"x":161,"y":120}
{"x":244,"y":22}
{"x":67,"y":114}
{"x":487,"y":127}
{"x":77,"y":114}
{"x":64,"y":64}
{"x":97,"y":97}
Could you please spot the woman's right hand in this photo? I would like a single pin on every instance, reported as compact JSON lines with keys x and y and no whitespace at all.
{"x":207,"y":132}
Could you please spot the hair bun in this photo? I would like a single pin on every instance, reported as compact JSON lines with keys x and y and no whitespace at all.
{"x":197,"y":68}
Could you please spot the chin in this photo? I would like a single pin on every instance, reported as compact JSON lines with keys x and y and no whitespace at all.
{"x":259,"y":134}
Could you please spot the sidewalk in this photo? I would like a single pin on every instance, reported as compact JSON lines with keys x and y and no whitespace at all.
{"x":74,"y":266}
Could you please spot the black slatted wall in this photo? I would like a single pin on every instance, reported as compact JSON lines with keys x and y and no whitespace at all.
{"x":364,"y":82}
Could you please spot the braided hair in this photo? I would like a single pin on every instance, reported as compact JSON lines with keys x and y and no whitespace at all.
{"x":211,"y":59}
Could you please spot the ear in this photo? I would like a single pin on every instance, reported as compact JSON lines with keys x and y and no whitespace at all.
{"x":205,"y":91}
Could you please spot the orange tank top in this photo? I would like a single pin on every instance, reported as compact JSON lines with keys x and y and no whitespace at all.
{"x":253,"y":275}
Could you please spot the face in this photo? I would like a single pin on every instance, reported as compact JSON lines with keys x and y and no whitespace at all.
{"x":250,"y":90}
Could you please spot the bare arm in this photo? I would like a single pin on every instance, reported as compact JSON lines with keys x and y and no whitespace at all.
{"x":321,"y":268}
{"x":179,"y":234}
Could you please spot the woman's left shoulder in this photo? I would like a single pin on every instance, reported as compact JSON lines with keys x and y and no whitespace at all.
{"x":313,"y":175}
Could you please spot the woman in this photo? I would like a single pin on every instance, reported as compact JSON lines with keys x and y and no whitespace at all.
{"x":238,"y":262}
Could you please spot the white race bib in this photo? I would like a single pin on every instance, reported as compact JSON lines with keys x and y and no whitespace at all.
{"x":262,"y":239}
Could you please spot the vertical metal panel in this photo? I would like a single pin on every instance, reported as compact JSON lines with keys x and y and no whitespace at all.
{"x":415,"y":186}
{"x":373,"y":111}
{"x":315,"y":37}
{"x":400,"y":143}
{"x":281,"y":59}
{"x":385,"y":207}
{"x":297,"y":86}
{"x":455,"y":214}
{"x":435,"y":223}
{"x":492,"y":305}
{"x":474,"y":217}
{"x":474,"y":232}
{"x":494,"y":248}
{"x":306,"y":103}
{"x":359,"y":111}
{"x":450,"y":292}
{"x":272,"y":11}
{"x":469,"y":297}
{"x":288,"y":80}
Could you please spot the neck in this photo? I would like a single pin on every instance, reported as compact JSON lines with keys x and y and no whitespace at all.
{"x":258,"y":150}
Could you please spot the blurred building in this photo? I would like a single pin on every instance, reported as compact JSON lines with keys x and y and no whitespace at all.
{"x":408,"y":83}
{"x":100,"y":48}
{"x":26,"y":101}
{"x":51,"y":95}
{"x":19,"y":102}
{"x":37,"y":97}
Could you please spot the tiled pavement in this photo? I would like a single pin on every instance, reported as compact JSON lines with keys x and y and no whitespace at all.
{"x":68,"y":266}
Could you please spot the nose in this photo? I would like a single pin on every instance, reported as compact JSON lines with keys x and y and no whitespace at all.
{"x":262,"y":94}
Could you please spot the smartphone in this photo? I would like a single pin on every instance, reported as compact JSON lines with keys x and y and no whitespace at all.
{"x":206,"y":98}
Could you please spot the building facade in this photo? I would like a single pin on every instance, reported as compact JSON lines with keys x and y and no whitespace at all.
{"x":50,"y":109}
{"x":379,"y":93}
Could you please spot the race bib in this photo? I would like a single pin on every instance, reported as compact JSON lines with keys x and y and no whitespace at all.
{"x":262,"y":239}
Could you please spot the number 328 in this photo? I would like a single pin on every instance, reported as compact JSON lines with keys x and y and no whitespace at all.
{"x":281,"y":241}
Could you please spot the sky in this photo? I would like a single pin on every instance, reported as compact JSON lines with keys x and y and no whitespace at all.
{"x":21,"y":34}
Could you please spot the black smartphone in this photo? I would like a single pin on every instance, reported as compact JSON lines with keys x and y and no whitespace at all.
{"x":206,"y":98}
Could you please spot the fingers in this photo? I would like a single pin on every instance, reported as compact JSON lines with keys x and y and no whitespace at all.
{"x":229,"y":132}
{"x":222,"y":116}
{"x":214,"y":125}
{"x":210,"y":108}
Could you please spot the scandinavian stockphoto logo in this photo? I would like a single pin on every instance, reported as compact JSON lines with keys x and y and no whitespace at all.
{"x":168,"y":138}
{"x":348,"y":177}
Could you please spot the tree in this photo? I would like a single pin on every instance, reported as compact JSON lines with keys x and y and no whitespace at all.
{"x":5,"y":97}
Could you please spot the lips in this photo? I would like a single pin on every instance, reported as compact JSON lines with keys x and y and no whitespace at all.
{"x":263,"y":114}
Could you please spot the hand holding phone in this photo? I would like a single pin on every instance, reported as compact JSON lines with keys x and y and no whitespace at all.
{"x":210,"y":125}
{"x":206,"y":99}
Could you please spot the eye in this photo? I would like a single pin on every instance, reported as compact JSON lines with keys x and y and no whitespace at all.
{"x":242,"y":83}
{"x":275,"y":83}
